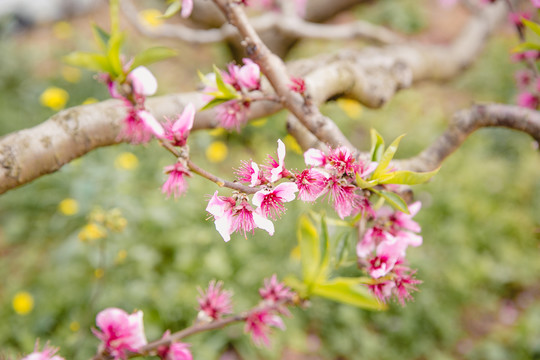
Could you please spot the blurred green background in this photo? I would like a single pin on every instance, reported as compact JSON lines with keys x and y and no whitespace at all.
{"x":480,"y":261}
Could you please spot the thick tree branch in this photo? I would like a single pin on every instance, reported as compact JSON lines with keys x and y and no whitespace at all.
{"x":465,"y":122}
{"x":372,"y":76}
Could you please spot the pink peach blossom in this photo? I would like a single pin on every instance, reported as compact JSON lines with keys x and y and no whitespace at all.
{"x":120,"y":332}
{"x":270,"y":201}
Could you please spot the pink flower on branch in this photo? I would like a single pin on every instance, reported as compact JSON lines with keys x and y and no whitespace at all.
{"x":232,"y":215}
{"x":270,"y":202}
{"x":175,"y":184}
{"x":298,"y":85}
{"x":232,"y":114}
{"x":48,"y":353}
{"x":119,"y":332}
{"x":259,"y":324}
{"x":177,"y":132}
{"x":311,"y":184}
{"x":214,"y":302}
{"x":277,"y":169}
{"x":175,"y":351}
{"x":187,"y":8}
{"x":143,"y":81}
{"x":249,"y":172}
{"x":139,"y":126}
{"x":274,"y":291}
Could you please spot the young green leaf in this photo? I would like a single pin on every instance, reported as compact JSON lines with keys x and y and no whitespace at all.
{"x":531,"y":25}
{"x":152,"y":55}
{"x":405,"y":177}
{"x":377,"y":145}
{"x":341,"y":248}
{"x":172,"y":9}
{"x":227,"y":90}
{"x":113,"y":55}
{"x":325,"y":247}
{"x":394,"y":200}
{"x":213,"y":102}
{"x":308,"y":240}
{"x":386,"y":157}
{"x":363,"y":184}
{"x":348,"y":291}
{"x":89,"y":61}
{"x":101,"y":37}
{"x":526,"y":46}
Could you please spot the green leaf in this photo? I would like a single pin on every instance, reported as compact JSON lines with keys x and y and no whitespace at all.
{"x":172,"y":9}
{"x":152,"y":55}
{"x":213,"y":102}
{"x":91,"y":61}
{"x":531,"y":25}
{"x":386,"y":157}
{"x":341,"y":248}
{"x":297,"y":285}
{"x":227,"y":90}
{"x":114,"y":12}
{"x":394,"y":200}
{"x":363,"y":184}
{"x":405,"y":177}
{"x":101,"y":36}
{"x":324,"y":246}
{"x":526,"y":46}
{"x":377,"y":145}
{"x":348,"y":291}
{"x":310,"y":251}
{"x":113,"y":54}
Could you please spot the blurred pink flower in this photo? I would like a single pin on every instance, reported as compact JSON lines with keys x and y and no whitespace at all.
{"x":215,"y":302}
{"x":231,"y":114}
{"x":143,"y":81}
{"x":48,"y":353}
{"x":187,"y":8}
{"x":175,"y":351}
{"x":120,"y":333}
{"x":176,"y":183}
{"x":528,"y":100}
{"x":274,"y":291}
{"x":258,"y":324}
{"x":177,"y":132}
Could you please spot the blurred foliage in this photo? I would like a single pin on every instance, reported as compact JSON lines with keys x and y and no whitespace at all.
{"x":481,"y":218}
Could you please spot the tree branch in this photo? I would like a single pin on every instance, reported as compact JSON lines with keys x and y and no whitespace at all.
{"x":464,"y":123}
{"x":372,"y":76}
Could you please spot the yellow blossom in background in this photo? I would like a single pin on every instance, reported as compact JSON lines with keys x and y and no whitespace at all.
{"x":151,"y":17}
{"x":126,"y":161}
{"x":217,"y":132}
{"x":121,"y":256}
{"x":90,"y":100}
{"x":99,"y":273}
{"x":351,"y":107}
{"x":92,"y":231}
{"x":54,"y":98}
{"x":291,"y":144}
{"x":68,"y":207}
{"x":296,"y":254}
{"x":71,"y":74}
{"x":259,"y":122}
{"x":74,"y":326}
{"x":63,"y":30}
{"x":23,"y":303}
{"x":216,"y":152}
